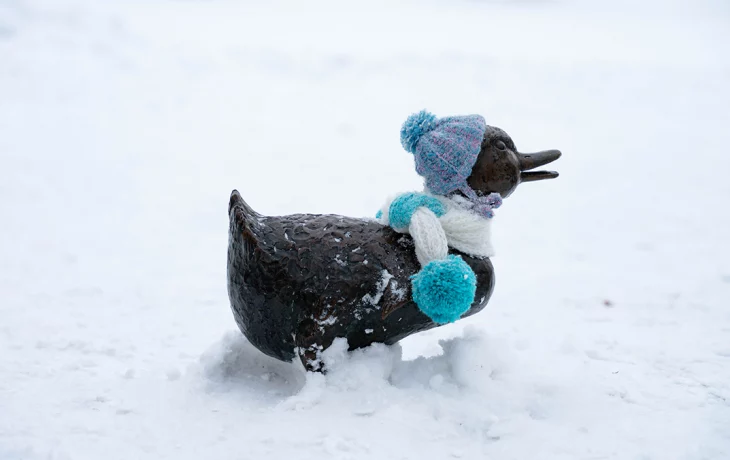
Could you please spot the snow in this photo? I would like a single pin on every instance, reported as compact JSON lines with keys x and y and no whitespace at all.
{"x":380,"y":288}
{"x":125,"y":125}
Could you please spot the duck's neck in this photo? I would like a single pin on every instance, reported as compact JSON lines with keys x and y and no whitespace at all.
{"x":466,"y":230}
{"x":484,"y":205}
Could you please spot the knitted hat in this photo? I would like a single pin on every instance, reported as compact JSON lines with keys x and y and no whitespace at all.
{"x":445,"y":150}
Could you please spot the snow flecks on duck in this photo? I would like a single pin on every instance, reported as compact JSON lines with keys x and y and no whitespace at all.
{"x":325,"y":317}
{"x":322,"y":323}
{"x":380,"y":289}
{"x":316,"y":350}
{"x":399,"y":292}
{"x":340,"y":261}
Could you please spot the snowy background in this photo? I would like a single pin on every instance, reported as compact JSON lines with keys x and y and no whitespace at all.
{"x":124,"y":125}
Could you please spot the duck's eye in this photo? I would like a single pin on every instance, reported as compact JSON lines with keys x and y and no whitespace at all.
{"x":500,"y":145}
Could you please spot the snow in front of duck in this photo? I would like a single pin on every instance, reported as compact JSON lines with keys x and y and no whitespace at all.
{"x":125,"y":125}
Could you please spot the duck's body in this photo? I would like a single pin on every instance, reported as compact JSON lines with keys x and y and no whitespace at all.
{"x":298,"y":282}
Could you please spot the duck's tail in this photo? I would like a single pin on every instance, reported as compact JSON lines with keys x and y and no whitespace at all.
{"x":238,"y":206}
{"x":243,"y":219}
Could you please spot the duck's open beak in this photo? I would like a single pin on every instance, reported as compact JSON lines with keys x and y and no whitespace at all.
{"x":530,"y":161}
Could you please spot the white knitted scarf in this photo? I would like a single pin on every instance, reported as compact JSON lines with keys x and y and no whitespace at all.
{"x":459,"y":228}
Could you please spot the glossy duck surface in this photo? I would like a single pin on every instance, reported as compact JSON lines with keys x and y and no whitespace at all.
{"x":298,"y":282}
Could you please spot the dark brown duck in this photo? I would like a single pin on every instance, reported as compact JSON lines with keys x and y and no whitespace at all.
{"x":298,"y":282}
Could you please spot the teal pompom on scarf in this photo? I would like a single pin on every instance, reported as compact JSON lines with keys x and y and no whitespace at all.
{"x":444,"y":289}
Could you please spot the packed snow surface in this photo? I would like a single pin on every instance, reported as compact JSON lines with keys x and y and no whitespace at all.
{"x":124,"y":125}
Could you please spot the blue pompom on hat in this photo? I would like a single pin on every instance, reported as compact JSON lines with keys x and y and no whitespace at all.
{"x":414,"y":127}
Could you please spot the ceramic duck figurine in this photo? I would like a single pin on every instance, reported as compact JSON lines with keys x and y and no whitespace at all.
{"x":298,"y":282}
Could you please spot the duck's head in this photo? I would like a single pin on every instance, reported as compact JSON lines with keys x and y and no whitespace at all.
{"x":462,"y":154}
{"x":500,"y":167}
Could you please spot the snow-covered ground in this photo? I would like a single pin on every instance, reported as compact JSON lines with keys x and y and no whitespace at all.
{"x":124,"y":125}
